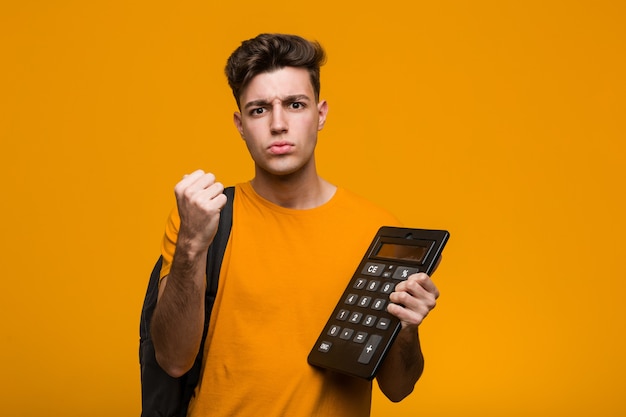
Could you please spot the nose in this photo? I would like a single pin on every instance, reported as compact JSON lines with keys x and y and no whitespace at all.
{"x":278,"y":123}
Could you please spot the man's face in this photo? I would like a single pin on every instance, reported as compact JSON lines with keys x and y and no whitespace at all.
{"x":279,"y":121}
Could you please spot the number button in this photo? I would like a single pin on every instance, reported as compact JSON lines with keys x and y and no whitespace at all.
{"x":365,"y":301}
{"x":342,"y":315}
{"x":369,"y":320}
{"x":351,"y":299}
{"x":334,"y":330}
{"x":373,"y":285}
{"x":355,"y":318}
{"x":388,"y":287}
{"x":360,"y":283}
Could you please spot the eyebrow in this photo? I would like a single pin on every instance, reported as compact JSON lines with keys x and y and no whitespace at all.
{"x":287,"y":99}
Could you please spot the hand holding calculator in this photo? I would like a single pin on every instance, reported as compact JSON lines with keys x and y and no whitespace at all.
{"x":360,"y":331}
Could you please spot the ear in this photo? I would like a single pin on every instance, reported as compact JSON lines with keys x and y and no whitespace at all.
{"x":322,"y":110}
{"x":238,"y":123}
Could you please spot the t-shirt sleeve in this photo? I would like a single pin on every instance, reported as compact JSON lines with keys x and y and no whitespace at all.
{"x":168,"y":246}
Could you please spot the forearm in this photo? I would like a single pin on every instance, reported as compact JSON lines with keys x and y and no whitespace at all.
{"x":402,"y":367}
{"x":178,"y":320}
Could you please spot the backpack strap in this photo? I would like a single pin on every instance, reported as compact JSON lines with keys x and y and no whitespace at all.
{"x":162,"y":395}
{"x":215,"y":256}
{"x":218,"y":247}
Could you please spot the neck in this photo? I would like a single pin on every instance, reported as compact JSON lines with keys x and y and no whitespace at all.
{"x":294,"y":192}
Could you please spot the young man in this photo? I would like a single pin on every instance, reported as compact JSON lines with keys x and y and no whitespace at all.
{"x":294,"y":244}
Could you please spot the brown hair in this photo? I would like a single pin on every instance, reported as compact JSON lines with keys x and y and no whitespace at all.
{"x":270,"y":52}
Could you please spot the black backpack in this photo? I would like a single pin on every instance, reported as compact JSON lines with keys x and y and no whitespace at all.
{"x":161,"y":394}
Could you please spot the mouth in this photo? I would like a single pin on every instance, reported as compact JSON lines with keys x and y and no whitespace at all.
{"x":280,"y":147}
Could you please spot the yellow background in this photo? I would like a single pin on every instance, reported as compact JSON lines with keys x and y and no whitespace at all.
{"x":501,"y":121}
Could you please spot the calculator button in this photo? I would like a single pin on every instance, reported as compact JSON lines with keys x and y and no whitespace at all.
{"x":346,"y":334}
{"x":365,"y":301}
{"x":325,"y":347}
{"x":373,"y":285}
{"x":404,"y":272}
{"x":387,"y":287}
{"x":360,"y":337}
{"x":373,"y":269}
{"x":351,"y":299}
{"x":360,"y":283}
{"x":334,"y":330}
{"x":383,"y":323}
{"x":370,"y":349}
{"x":355,"y":317}
{"x":369,"y":320}
{"x":379,"y":304}
{"x":343,"y":315}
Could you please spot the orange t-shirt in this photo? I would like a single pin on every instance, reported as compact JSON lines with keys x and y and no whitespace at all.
{"x":283,"y":272}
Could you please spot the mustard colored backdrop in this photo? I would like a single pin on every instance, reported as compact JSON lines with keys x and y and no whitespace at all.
{"x":501,"y":121}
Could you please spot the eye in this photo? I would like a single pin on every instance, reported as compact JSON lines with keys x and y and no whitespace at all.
{"x":297,"y":105}
{"x":258,"y":111}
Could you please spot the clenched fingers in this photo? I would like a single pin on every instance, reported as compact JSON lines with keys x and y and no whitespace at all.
{"x":199,"y":199}
{"x":413,"y":299}
{"x":200,"y":189}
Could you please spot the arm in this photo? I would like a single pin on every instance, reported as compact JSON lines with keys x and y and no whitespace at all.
{"x":411,"y":302}
{"x":178,"y":320}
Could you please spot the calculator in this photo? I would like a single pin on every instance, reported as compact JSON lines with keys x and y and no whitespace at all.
{"x":360,"y":331}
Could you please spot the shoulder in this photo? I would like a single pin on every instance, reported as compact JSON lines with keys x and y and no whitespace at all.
{"x":349,"y":197}
{"x":364,"y":208}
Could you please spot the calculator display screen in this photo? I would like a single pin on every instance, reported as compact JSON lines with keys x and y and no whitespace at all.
{"x":402,"y":252}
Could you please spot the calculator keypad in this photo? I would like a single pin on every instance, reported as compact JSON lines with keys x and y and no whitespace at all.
{"x":359,"y":331}
{"x":362,"y":319}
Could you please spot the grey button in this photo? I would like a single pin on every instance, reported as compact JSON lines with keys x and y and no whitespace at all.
{"x":369,"y":349}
